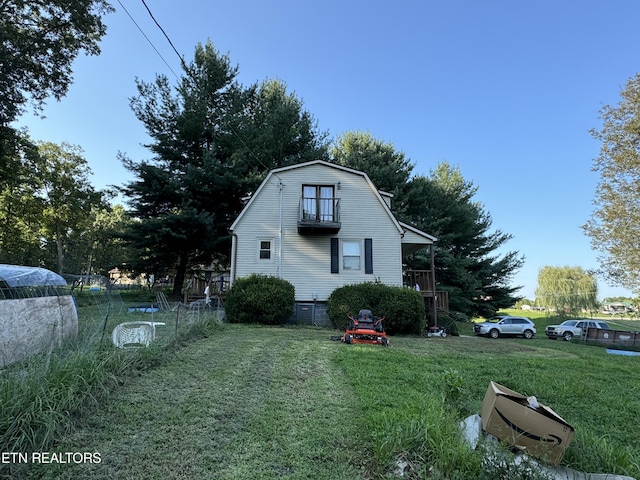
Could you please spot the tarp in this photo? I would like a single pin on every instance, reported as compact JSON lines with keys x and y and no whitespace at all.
{"x":20,"y":276}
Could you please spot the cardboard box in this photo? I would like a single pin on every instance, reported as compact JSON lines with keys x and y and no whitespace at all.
{"x":540,"y":431}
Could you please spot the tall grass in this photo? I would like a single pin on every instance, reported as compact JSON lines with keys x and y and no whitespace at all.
{"x":42,"y":397}
{"x":38,"y":404}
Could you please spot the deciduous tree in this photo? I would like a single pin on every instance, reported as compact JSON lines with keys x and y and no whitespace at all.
{"x":47,"y":207}
{"x":39,"y":39}
{"x":105,"y":247}
{"x":614,"y":226}
{"x":20,"y":209}
{"x":68,"y":199}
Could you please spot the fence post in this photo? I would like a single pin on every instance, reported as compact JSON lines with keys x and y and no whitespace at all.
{"x":177,"y":318}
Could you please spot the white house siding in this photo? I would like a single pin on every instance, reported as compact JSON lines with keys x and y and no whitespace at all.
{"x":414,"y":238}
{"x":306,"y":259}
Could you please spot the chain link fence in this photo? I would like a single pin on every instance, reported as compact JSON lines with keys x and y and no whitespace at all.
{"x":112,"y":317}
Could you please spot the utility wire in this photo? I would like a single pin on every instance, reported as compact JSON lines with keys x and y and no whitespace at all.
{"x":184,"y":66}
{"x":165,"y":35}
{"x":148,"y":40}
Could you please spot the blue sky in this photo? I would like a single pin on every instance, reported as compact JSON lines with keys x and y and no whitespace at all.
{"x":505,"y":90}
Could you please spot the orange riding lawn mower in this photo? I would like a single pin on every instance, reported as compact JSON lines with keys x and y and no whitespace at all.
{"x":364,"y":329}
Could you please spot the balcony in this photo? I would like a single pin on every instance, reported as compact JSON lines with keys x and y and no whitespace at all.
{"x":318,"y":216}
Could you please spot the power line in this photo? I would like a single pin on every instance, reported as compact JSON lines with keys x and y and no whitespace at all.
{"x":148,"y":40}
{"x":184,"y":66}
{"x":165,"y":34}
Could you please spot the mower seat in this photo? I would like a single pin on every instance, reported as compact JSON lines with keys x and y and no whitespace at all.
{"x":367,"y":320}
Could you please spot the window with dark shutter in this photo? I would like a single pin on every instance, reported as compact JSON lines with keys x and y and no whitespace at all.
{"x":351,"y":256}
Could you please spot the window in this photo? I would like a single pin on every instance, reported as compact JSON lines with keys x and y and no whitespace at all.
{"x":265,"y":249}
{"x":318,"y":203}
{"x":351,"y":255}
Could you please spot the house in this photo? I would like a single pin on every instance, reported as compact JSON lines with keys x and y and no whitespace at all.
{"x":321,"y":226}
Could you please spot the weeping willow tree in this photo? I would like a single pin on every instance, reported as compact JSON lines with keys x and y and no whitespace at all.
{"x":566,"y":290}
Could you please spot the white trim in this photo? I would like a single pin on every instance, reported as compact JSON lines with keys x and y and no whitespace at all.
{"x":418,"y":232}
{"x":259,"y":249}
{"x":341,"y":244}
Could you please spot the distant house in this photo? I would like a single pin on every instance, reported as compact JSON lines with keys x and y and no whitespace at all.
{"x":321,"y":226}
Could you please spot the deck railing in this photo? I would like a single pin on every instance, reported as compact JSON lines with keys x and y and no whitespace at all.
{"x":437,"y":300}
{"x":423,"y":279}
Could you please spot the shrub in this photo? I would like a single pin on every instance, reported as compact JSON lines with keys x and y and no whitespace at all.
{"x":403,"y":308}
{"x":260,"y":299}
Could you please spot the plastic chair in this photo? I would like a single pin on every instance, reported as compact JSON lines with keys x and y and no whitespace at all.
{"x":134,"y":334}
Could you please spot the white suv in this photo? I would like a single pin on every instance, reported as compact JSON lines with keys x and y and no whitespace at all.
{"x":570,"y":328}
{"x":503,"y":326}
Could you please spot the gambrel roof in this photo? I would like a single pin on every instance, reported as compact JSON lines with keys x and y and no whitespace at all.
{"x":412,"y":234}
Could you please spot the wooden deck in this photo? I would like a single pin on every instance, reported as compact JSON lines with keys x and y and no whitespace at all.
{"x":424,"y":280}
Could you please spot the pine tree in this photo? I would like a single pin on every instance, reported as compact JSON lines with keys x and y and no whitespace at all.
{"x":213,"y":141}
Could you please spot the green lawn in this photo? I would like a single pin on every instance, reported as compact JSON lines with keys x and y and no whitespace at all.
{"x":252,"y":402}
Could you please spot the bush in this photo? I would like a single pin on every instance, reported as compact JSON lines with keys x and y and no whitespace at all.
{"x":403,"y":308}
{"x":260,"y":299}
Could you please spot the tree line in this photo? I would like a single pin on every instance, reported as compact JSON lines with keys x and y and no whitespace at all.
{"x":212,"y":142}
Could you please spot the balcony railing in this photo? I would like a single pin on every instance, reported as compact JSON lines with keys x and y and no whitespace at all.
{"x":422,"y":278}
{"x":438,"y":300}
{"x":319,"y":215}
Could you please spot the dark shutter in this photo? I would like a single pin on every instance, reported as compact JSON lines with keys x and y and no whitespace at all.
{"x":368,"y":255}
{"x":335,"y":258}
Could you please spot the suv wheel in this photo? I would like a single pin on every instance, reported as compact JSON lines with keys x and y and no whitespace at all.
{"x":528,"y":334}
{"x":567,"y":336}
{"x":494,"y":333}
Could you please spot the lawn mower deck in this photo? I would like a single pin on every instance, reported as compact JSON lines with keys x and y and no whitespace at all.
{"x":365,"y":329}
